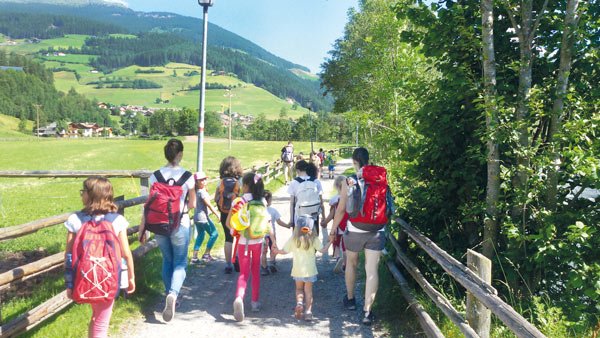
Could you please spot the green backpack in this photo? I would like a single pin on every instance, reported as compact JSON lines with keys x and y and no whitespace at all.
{"x":259,"y":221}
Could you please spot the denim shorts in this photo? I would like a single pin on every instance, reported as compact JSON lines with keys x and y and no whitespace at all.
{"x":306,"y":279}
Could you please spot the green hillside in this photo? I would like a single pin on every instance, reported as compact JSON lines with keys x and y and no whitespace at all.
{"x":9,"y":127}
{"x":74,"y":71}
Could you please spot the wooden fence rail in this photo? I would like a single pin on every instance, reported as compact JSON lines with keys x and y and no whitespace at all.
{"x":476,"y":286}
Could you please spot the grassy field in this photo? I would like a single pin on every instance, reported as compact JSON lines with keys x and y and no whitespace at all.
{"x":23,"y":200}
{"x":248,"y":99}
{"x":9,"y":127}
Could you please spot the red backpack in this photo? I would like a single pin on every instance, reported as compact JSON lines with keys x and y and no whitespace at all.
{"x":370,"y":202}
{"x":162,"y":211}
{"x":96,"y":260}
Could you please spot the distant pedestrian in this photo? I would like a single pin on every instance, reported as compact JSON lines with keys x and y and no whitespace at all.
{"x":173,"y":243}
{"x":316,"y":160}
{"x":228,"y":189}
{"x":321,"y":155}
{"x":99,"y":206}
{"x":202,"y":220}
{"x":250,"y":241}
{"x":287,"y":156}
{"x":331,"y":162}
{"x":303,"y":246}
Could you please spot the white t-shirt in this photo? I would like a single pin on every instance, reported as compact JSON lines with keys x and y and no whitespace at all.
{"x":244,"y":240}
{"x":176,"y":173}
{"x":275,"y":215}
{"x":332,"y":202}
{"x":73,"y":223}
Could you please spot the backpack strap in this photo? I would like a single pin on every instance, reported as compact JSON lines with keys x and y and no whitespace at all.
{"x":181,"y":181}
{"x":159,"y":177}
{"x":299,"y":180}
{"x":111,"y":217}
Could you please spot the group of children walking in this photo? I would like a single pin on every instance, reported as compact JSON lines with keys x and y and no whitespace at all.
{"x":241,"y":202}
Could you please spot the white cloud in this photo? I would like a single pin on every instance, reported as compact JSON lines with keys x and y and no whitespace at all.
{"x":119,"y":2}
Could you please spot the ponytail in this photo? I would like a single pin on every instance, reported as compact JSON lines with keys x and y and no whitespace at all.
{"x":255,"y":184}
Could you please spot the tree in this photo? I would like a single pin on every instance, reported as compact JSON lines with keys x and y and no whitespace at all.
{"x":186,"y":123}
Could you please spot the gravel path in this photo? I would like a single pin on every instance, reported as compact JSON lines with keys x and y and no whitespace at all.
{"x":207,"y":297}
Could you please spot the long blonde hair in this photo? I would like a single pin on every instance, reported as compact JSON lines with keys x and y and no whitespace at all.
{"x":100,"y":198}
{"x":303,"y":239}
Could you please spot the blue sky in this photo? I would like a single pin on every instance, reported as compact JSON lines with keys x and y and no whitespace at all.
{"x":302,"y":31}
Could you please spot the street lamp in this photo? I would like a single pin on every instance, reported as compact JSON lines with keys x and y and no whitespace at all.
{"x":205,"y":4}
{"x":309,"y":106}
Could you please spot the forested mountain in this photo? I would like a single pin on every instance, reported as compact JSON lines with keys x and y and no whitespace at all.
{"x":228,"y":52}
{"x":21,"y":90}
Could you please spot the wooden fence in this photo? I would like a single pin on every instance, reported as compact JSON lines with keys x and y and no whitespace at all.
{"x":11,"y":278}
{"x":482,"y":298}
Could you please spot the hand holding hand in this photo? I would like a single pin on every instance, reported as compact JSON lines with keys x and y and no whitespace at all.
{"x":70,"y":293}
{"x":142,"y":238}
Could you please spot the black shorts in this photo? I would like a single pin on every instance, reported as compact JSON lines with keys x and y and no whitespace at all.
{"x":228,"y":237}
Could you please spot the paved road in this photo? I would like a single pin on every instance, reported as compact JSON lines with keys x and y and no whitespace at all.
{"x":207,"y":297}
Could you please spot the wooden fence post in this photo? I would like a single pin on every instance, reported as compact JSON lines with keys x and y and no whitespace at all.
{"x":478,"y":315}
{"x":144,"y":188}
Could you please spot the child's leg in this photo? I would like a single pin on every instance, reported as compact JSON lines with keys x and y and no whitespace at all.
{"x":299,"y":292}
{"x":255,"y":249}
{"x":263,"y":256}
{"x":101,"y":314}
{"x":244,"y":261}
{"x":199,"y":238}
{"x":308,"y":286}
{"x":210,"y":228}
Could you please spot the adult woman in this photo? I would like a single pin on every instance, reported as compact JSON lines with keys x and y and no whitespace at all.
{"x":174,"y":248}
{"x":357,"y":240}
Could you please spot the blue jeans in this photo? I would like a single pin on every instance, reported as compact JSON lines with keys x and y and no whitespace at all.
{"x":174,"y":251}
{"x":208,"y":227}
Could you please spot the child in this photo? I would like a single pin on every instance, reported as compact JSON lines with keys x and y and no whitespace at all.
{"x":269,"y":267}
{"x":338,"y":242}
{"x":97,"y":197}
{"x":303,"y":246}
{"x":331,"y":165}
{"x":202,"y":220}
{"x":316,"y":160}
{"x":230,"y":172}
{"x":249,"y":250}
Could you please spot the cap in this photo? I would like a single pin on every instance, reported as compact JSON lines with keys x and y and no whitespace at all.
{"x":200,"y":176}
{"x":305,"y":223}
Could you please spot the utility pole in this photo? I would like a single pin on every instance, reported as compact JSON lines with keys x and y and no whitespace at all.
{"x":309,"y":106}
{"x":230,"y":94}
{"x":37,"y":118}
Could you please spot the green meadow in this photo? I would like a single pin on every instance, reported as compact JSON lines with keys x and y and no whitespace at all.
{"x":247,"y":100}
{"x":9,"y":127}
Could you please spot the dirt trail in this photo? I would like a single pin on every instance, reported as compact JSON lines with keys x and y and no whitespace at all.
{"x":207,"y":296}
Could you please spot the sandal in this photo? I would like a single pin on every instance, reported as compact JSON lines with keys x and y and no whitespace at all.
{"x":299,"y":310}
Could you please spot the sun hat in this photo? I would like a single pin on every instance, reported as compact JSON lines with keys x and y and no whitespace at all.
{"x":200,"y":176}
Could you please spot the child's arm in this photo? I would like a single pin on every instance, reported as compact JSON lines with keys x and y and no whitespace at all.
{"x":292,"y":201}
{"x":283,"y":224}
{"x":329,"y":217}
{"x":322,"y":207}
{"x":142,"y":231}
{"x":324,"y":250}
{"x":126,"y":253}
{"x":209,"y":205}
{"x":277,"y":251}
{"x":69,"y":250}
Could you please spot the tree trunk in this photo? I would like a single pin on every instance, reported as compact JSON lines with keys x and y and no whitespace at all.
{"x":490,"y":232}
{"x":562,"y":83}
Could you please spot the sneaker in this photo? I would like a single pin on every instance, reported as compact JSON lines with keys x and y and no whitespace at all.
{"x":238,"y":309}
{"x":299,"y":310}
{"x":308,"y":316}
{"x":349,"y":304}
{"x":195,"y":261}
{"x":169,"y":311}
{"x":255,"y":307}
{"x":228,"y":269}
{"x":264,"y":271}
{"x":368,"y":318}
{"x":338,"y":265}
{"x":207,"y":258}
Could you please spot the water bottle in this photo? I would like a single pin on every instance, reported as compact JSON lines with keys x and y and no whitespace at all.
{"x":124,"y":276}
{"x":69,"y":272}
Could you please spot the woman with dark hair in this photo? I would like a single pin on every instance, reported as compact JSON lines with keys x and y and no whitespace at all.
{"x":174,"y":248}
{"x":357,"y":240}
{"x":229,"y":187}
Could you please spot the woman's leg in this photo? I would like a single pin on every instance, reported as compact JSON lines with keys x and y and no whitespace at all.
{"x":101,"y":313}
{"x":244,"y":261}
{"x":256,"y":250}
{"x":372,"y":282}
{"x":199,"y":238}
{"x":210,"y":228}
{"x":164,"y":244}
{"x":351,"y":263}
{"x":227,"y":248}
{"x":308,"y":286}
{"x":180,"y":241}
